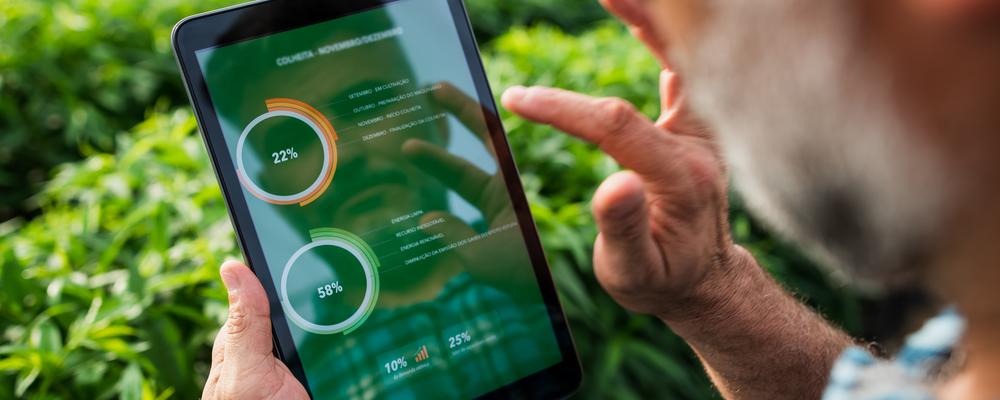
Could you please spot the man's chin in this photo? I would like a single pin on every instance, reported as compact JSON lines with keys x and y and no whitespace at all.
{"x":832,"y":227}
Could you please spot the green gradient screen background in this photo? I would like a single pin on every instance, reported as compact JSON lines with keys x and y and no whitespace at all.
{"x":391,"y":237}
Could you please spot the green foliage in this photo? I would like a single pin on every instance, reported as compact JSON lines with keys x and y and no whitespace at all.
{"x":492,"y":18}
{"x":112,"y":291}
{"x":72,"y":75}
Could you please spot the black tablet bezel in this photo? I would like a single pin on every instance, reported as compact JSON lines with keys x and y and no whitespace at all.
{"x":219,"y":28}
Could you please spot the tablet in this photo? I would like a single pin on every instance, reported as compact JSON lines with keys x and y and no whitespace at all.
{"x":374,"y":194}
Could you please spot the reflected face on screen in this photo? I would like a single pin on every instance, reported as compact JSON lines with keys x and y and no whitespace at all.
{"x":372,"y":183}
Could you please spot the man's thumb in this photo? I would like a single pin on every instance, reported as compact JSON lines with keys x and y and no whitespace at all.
{"x":248,"y":328}
{"x":619,"y":207}
{"x":625,"y":247}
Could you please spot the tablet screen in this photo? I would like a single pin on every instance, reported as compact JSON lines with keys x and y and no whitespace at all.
{"x":374,"y":189}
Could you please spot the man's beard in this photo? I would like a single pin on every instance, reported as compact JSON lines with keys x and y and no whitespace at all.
{"x":812,"y":139}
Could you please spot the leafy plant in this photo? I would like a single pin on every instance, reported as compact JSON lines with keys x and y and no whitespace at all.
{"x":492,"y":18}
{"x":73,"y":74}
{"x":112,"y":291}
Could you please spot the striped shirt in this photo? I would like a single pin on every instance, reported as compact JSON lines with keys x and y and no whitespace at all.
{"x":911,"y":375}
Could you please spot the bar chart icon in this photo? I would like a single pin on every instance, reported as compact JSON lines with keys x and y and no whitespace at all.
{"x":422,"y":354}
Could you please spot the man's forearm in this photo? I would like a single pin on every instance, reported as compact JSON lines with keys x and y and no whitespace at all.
{"x":755,"y":339}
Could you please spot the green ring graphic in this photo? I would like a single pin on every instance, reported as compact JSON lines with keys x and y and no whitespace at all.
{"x":369,"y":262}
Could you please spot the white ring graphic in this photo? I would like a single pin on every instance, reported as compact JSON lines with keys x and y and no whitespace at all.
{"x":362,"y":309}
{"x":263,"y":193}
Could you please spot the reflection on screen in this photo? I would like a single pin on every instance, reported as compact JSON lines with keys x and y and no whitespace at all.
{"x":366,"y":164}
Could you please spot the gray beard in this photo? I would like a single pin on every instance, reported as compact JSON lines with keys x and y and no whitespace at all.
{"x":812,"y":140}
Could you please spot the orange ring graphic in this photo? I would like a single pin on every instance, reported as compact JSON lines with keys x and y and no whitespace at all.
{"x":284,"y":107}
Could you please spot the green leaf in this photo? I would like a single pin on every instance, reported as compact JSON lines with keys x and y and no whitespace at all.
{"x":130,"y":385}
{"x":46,"y":337}
{"x":14,"y":363}
{"x":28,"y":376}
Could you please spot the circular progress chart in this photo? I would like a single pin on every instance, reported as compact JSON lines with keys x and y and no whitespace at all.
{"x":268,"y":153}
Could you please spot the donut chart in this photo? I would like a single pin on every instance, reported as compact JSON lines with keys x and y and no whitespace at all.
{"x":331,"y":284}
{"x":318,"y":124}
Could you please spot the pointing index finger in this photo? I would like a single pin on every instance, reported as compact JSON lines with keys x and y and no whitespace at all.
{"x":612,"y":124}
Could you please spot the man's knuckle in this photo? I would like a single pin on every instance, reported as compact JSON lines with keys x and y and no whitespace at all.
{"x":218,"y":356}
{"x":604,"y":277}
{"x":618,"y":226}
{"x":625,"y":231}
{"x":617,"y":216}
{"x":614,"y":280}
{"x":237,"y":323}
{"x":250,"y":385}
{"x":627,"y":276}
{"x":227,"y":389}
{"x":618,"y":114}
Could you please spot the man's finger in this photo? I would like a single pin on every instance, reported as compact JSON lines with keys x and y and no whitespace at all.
{"x":653,"y":43}
{"x":629,"y":11}
{"x":248,"y":328}
{"x":676,"y":115}
{"x":669,"y":98}
{"x":218,"y":356}
{"x":636,"y":17}
{"x":457,"y":173}
{"x":467,"y":110}
{"x":219,"y":347}
{"x":613,"y":124}
{"x":671,"y":102}
{"x":625,"y":250}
